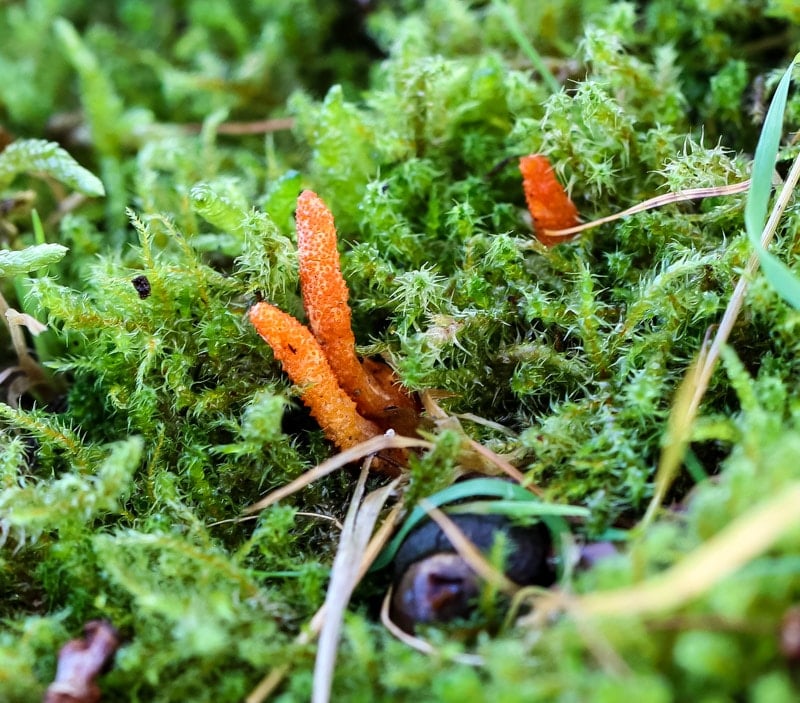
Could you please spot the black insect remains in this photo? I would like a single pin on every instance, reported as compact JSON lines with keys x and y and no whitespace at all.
{"x":142,"y":286}
{"x":433,"y":583}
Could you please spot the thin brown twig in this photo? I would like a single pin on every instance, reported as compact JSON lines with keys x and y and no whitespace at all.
{"x":736,"y":302}
{"x":276,"y":124}
{"x":418,"y":643}
{"x":478,"y":420}
{"x":658,"y":201}
{"x":468,"y":551}
{"x":236,"y":520}
{"x":507,"y":468}
{"x":371,"y":446}
{"x":320,"y":516}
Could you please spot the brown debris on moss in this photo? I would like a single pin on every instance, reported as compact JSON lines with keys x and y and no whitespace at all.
{"x":80,"y":661}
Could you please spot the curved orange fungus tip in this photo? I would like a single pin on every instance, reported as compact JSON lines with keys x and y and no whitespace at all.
{"x":548,"y":203}
{"x":305,"y":363}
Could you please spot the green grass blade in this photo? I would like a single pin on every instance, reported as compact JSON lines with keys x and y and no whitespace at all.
{"x":755,"y":210}
{"x":781,"y":278}
{"x":519,"y":509}
{"x":779,"y":275}
{"x":38,"y":230}
{"x":507,"y":15}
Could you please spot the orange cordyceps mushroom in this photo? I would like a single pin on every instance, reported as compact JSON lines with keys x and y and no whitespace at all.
{"x":550,"y":207}
{"x":350,"y":399}
{"x":325,"y":299}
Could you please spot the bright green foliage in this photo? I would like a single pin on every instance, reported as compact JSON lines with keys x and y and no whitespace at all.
{"x":16,"y":263}
{"x":46,"y":158}
{"x":118,"y":501}
{"x":104,"y":109}
{"x":67,"y":503}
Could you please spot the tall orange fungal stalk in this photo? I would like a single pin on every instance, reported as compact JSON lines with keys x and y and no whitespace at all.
{"x":352,"y":400}
{"x":325,"y":296}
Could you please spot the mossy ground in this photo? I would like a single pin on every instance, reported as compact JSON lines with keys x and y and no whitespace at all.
{"x":405,"y":118}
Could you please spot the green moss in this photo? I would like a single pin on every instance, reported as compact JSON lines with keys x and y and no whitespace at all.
{"x":118,"y":500}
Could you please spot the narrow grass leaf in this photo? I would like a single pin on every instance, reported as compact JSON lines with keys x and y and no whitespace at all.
{"x":519,"y":509}
{"x":512,"y":24}
{"x":473,"y":488}
{"x":779,"y":275}
{"x":755,"y":210}
{"x":38,"y":230}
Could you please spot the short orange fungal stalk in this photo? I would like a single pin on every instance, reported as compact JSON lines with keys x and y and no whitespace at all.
{"x":550,"y":207}
{"x":304,"y":362}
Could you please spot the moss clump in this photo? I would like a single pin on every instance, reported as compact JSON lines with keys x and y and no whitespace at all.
{"x":407,"y":119}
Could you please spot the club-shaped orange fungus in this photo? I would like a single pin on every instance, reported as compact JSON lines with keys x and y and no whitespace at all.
{"x":305,"y":363}
{"x":325,"y":297}
{"x":550,"y":207}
